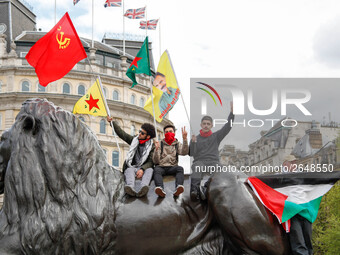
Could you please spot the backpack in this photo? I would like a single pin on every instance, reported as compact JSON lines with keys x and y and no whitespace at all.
{"x":176,"y":147}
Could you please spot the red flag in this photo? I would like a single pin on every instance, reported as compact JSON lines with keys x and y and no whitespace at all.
{"x":55,"y":54}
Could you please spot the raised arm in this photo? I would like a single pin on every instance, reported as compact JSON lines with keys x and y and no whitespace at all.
{"x":227,"y":127}
{"x":183,"y":149}
{"x":120,"y":132}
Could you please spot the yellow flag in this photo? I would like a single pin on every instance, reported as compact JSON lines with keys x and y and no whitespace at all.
{"x":165,"y":89}
{"x":92,"y":102}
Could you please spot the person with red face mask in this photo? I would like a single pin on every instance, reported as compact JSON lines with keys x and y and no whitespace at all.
{"x":165,"y":158}
{"x":204,"y":150}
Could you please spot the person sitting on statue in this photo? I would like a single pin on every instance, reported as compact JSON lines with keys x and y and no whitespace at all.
{"x":165,"y":158}
{"x":204,"y":150}
{"x":139,"y":159}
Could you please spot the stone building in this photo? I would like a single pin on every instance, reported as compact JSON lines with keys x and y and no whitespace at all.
{"x":18,"y":81}
{"x":310,"y":142}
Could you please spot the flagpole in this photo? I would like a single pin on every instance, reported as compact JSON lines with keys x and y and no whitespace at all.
{"x":105,"y":103}
{"x":153,"y":109}
{"x":55,"y":12}
{"x":185,"y":108}
{"x":146,"y":21}
{"x":123,"y":29}
{"x":92,"y":22}
{"x":159,"y":33}
{"x":108,"y":111}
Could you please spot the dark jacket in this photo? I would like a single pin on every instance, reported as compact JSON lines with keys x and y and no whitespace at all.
{"x":206,"y":148}
{"x":128,"y":139}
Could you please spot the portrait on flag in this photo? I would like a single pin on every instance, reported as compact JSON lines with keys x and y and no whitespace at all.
{"x":165,"y":89}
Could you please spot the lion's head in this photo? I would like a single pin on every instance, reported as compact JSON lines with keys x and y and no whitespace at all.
{"x":60,"y":193}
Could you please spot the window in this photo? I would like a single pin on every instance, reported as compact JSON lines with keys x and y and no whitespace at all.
{"x":66,"y":88}
{"x":81,"y":90}
{"x":133,"y":99}
{"x":82,"y":118}
{"x":105,"y":92}
{"x":115,"y":158}
{"x":133,"y":130}
{"x":141,"y":102}
{"x":41,"y":88}
{"x":115,"y":95}
{"x":0,"y":86}
{"x":25,"y":86}
{"x":103,"y":126}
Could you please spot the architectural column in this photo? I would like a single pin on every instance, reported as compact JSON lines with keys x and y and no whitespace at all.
{"x":3,"y":45}
{"x":92,"y":56}
{"x":124,"y":64}
{"x":9,"y":118}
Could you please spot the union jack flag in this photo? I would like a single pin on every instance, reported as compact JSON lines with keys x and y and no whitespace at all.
{"x":152,"y":24}
{"x":113,"y":3}
{"x":135,"y":13}
{"x":75,"y":2}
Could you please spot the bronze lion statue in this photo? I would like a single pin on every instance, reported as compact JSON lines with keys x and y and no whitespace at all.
{"x":62,"y":197}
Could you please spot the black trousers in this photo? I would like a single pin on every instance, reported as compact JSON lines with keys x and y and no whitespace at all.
{"x":160,"y":171}
{"x":300,"y":236}
{"x":199,"y":169}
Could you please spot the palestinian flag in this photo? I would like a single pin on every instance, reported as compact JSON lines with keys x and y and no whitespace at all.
{"x":286,"y":195}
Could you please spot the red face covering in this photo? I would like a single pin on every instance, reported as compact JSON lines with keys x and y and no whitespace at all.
{"x":143,"y":141}
{"x":169,"y":138}
{"x":205,"y":134}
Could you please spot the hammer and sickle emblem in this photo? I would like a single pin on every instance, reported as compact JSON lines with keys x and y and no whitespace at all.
{"x":63,"y":42}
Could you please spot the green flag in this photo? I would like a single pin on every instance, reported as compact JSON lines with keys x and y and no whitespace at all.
{"x":140,"y":64}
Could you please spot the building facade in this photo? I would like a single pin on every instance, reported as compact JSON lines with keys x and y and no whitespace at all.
{"x":310,"y":142}
{"x":18,"y":82}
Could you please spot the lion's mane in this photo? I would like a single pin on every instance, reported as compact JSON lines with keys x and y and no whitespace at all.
{"x":60,"y":193}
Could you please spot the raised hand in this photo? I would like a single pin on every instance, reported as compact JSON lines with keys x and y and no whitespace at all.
{"x":184,"y":133}
{"x":109,"y":119}
{"x":193,"y":138}
{"x":156,"y":145}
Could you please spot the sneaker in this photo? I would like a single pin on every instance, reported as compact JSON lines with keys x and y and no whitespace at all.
{"x":143,"y":191}
{"x":130,"y":191}
{"x":160,"y":191}
{"x":194,"y":196}
{"x":179,"y":190}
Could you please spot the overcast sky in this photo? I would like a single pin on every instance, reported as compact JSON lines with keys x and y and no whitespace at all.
{"x":220,"y":38}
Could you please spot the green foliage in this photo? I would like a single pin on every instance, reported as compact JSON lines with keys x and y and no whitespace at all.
{"x":326,"y":228}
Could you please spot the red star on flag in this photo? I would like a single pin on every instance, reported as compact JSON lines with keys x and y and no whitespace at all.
{"x":134,"y":62}
{"x":92,"y":102}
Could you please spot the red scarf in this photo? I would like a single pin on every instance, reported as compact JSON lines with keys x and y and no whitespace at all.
{"x":205,"y":134}
{"x":169,"y":138}
{"x":143,"y":141}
